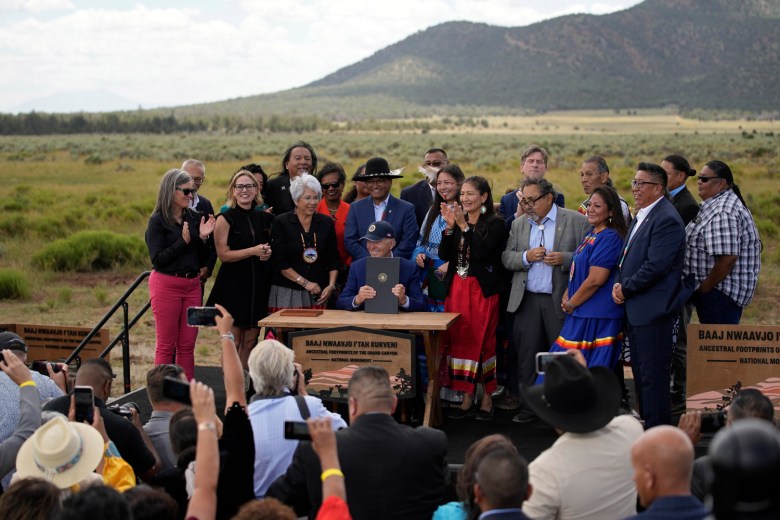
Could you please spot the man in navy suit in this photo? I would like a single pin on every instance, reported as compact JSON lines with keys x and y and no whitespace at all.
{"x":533,"y":164}
{"x":420,"y":194}
{"x":380,"y":206}
{"x":650,"y":285}
{"x":380,"y":241}
{"x":201,"y":204}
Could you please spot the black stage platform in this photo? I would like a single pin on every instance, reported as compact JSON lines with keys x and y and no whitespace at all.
{"x":530,"y":438}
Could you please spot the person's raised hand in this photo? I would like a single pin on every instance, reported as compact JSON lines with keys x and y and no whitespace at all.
{"x":16,"y":370}
{"x":206,"y":227}
{"x":323,"y":438}
{"x":224,"y":322}
{"x":690,"y":424}
{"x":202,"y":398}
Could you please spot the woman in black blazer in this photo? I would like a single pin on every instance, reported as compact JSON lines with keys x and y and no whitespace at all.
{"x":472,"y":243}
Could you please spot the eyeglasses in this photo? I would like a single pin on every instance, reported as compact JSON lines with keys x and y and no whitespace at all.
{"x":244,"y":187}
{"x":376,"y":181}
{"x":435,"y":164}
{"x":640,"y":184}
{"x":330,"y":185}
{"x":198,"y":180}
{"x":188,"y":191}
{"x":704,"y":178}
{"x":530,"y":202}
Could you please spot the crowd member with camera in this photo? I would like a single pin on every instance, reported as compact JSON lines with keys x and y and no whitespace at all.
{"x":163,"y":407}
{"x":49,"y":387}
{"x":281,"y":396}
{"x":128,"y":435}
{"x":28,"y":405}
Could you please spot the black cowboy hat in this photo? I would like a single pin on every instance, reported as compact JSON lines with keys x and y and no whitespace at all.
{"x":378,"y":168}
{"x":574,"y":398}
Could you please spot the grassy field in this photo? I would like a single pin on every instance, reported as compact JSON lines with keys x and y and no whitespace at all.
{"x":55,"y":186}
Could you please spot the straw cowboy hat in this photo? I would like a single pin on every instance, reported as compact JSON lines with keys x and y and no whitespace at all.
{"x":61,"y":452}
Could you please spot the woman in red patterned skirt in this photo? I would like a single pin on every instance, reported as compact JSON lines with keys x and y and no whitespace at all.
{"x":472,"y":243}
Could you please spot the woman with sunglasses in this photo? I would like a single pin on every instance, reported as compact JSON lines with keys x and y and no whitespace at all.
{"x":179,"y":240}
{"x":242,"y":237}
{"x":332,"y":178}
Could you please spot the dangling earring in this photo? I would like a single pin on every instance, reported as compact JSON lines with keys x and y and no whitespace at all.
{"x":609,"y":220}
{"x":483,"y":210}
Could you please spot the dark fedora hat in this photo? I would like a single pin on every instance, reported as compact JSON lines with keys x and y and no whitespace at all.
{"x":378,"y":168}
{"x":574,"y":398}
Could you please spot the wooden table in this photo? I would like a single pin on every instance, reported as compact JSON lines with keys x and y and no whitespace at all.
{"x":426,"y":323}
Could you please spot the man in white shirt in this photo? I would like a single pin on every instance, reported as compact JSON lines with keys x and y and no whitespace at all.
{"x":587,"y":473}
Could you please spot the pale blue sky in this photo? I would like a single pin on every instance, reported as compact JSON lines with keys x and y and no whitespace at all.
{"x":69,"y":55}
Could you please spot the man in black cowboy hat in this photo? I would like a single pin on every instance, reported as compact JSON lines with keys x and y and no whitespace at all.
{"x":587,"y":473}
{"x":380,"y":206}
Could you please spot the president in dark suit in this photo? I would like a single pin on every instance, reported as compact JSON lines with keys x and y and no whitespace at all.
{"x":380,"y":206}
{"x":420,"y":194}
{"x":650,"y":285}
{"x":380,"y":241}
{"x":391,"y":471}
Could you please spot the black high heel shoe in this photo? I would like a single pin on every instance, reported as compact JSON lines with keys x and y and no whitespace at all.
{"x":483,"y":415}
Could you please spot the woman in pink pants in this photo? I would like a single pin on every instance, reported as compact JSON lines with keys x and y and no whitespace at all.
{"x":178,"y":239}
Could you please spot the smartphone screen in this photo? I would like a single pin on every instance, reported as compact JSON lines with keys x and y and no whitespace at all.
{"x":85,"y":404}
{"x":202,"y":316}
{"x":543,"y":359}
{"x":296,"y":430}
{"x":176,"y":390}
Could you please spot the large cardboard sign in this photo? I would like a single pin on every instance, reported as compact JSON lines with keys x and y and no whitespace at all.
{"x":721,"y":356}
{"x":55,"y":343}
{"x":330,"y":356}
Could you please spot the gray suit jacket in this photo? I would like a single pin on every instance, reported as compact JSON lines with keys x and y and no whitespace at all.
{"x":570,"y":229}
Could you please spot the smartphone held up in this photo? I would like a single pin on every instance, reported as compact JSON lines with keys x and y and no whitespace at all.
{"x":202,"y":316}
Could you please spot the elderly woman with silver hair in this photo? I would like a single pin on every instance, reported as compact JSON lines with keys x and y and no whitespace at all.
{"x":305,"y":251}
{"x":179,"y":240}
{"x":281,"y":396}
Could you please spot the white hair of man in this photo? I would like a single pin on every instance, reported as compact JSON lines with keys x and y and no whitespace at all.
{"x":271,"y":367}
{"x":193,"y":162}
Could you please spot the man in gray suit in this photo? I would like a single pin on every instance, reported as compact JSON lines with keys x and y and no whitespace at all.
{"x":539,"y":251}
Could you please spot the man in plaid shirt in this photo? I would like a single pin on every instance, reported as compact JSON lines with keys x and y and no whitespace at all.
{"x":723,"y":250}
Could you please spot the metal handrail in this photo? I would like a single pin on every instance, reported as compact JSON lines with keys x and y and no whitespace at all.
{"x":124,"y":334}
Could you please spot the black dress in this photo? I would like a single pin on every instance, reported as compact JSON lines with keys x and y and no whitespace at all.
{"x":242,"y":287}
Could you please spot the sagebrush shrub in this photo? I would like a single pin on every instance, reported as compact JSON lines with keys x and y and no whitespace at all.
{"x":92,"y":251}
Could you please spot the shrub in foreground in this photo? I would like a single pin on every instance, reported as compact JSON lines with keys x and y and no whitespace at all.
{"x":13,"y":285}
{"x":92,"y":251}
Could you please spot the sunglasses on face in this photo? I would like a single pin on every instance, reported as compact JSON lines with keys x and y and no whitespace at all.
{"x":330,"y":185}
{"x":435,"y":164}
{"x":188,"y":191}
{"x":704,"y":178}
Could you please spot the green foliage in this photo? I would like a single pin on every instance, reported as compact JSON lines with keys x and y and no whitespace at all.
{"x":92,"y":251}
{"x":13,"y":285}
{"x":101,"y":294}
